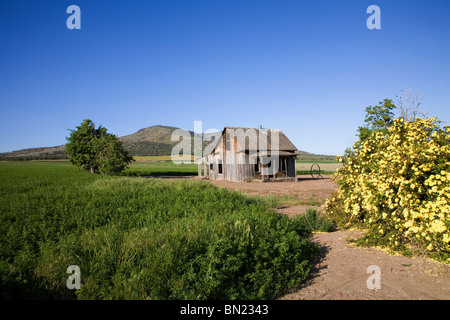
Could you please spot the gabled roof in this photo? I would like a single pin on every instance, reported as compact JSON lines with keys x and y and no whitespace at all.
{"x":284,"y":144}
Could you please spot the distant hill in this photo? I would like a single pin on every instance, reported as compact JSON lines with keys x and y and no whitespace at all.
{"x":306,"y":156}
{"x":151,"y":141}
{"x":161,"y":134}
{"x":43,"y":153}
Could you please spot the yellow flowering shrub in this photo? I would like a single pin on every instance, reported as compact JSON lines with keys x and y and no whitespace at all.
{"x":397,"y":185}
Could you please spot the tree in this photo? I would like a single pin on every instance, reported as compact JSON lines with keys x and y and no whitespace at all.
{"x":110,"y":155}
{"x":378,"y":119}
{"x":408,"y":105}
{"x":96,"y":150}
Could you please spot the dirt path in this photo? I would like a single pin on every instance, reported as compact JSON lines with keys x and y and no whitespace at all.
{"x":304,"y":189}
{"x":341,"y":272}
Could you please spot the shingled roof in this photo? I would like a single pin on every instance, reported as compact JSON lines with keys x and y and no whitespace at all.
{"x":284,"y":143}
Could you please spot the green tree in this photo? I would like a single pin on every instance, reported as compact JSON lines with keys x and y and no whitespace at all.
{"x":378,"y":118}
{"x":96,"y":150}
{"x":111,"y":157}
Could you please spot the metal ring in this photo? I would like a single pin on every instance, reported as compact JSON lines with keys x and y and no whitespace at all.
{"x":315,"y":171}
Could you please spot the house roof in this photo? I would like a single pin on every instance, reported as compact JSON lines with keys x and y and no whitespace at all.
{"x":243,"y":136}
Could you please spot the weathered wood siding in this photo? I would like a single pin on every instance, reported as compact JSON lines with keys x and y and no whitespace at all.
{"x":236,"y":165}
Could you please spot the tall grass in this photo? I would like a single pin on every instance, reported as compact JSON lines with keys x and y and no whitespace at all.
{"x":314,"y":220}
{"x":137,"y":238}
{"x":166,"y":168}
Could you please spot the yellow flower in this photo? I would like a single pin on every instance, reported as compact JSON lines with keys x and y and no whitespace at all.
{"x":389,"y":178}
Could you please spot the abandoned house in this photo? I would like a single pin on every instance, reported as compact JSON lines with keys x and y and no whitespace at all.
{"x":245,"y":154}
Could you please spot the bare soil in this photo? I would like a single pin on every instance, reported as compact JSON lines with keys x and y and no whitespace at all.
{"x":341,"y":271}
{"x":304,"y":188}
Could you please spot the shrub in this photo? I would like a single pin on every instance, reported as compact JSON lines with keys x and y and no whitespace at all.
{"x":397,"y":185}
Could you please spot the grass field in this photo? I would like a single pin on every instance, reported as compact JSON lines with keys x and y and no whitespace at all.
{"x":137,"y":238}
{"x":318,"y":161}
{"x":154,"y":158}
{"x":326,"y":167}
{"x":163,"y":166}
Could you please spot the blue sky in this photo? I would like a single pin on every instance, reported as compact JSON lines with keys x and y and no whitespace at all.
{"x":307,"y":67}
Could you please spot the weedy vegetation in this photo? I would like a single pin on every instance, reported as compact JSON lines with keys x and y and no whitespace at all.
{"x":139,"y":238}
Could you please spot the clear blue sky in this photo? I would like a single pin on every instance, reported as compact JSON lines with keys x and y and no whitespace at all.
{"x":307,"y":67}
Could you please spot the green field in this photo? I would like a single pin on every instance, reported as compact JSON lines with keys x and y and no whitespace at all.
{"x":168,"y":168}
{"x":318,"y":161}
{"x":326,"y":167}
{"x":163,"y":168}
{"x":160,"y":166}
{"x":138,"y":238}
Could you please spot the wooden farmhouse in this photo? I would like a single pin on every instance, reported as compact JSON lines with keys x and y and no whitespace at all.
{"x":246,"y":154}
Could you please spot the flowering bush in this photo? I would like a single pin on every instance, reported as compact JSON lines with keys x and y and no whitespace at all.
{"x":397,"y":184}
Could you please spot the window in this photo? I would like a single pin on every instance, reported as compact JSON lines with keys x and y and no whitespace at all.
{"x":211,"y":166}
{"x":220,"y":167}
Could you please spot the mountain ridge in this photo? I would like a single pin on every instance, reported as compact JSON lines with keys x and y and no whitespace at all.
{"x":150,"y":141}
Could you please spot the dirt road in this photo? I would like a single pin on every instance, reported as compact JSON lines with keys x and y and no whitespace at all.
{"x":342,"y":271}
{"x":342,"y":274}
